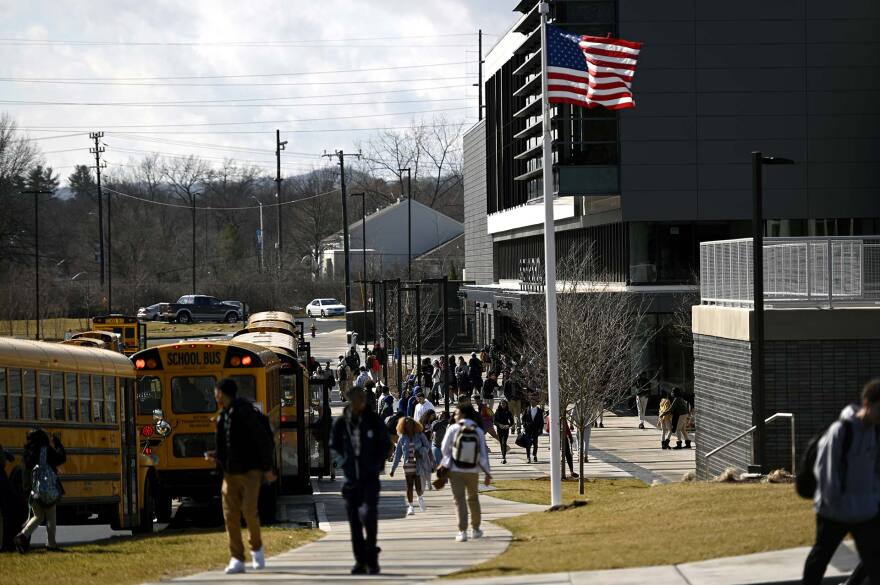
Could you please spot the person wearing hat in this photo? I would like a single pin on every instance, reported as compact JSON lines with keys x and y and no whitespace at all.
{"x":413,"y":401}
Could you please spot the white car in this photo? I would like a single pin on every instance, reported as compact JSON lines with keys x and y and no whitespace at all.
{"x":324,"y":308}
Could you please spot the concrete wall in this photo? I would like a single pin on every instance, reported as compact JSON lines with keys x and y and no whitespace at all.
{"x":477,"y":241}
{"x":716,"y":80}
{"x":816,"y":362}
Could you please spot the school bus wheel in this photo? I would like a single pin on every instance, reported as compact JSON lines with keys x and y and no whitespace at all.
{"x":145,"y":523}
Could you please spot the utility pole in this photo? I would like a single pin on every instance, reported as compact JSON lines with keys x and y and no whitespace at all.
{"x":363,"y":197}
{"x":260,"y":240}
{"x":193,"y":201}
{"x":109,"y":255}
{"x":399,"y":343}
{"x":97,"y":150}
{"x":279,"y":146}
{"x":479,"y":83}
{"x":36,"y":193}
{"x":408,"y":219}
{"x":346,"y":248}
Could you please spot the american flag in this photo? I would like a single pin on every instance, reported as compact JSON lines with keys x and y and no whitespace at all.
{"x":590,"y":71}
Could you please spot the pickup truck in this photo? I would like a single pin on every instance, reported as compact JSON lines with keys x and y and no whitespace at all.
{"x":194,"y":308}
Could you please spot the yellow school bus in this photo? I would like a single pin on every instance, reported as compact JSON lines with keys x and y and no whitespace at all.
{"x":178,"y":380}
{"x":132,"y":331}
{"x":295,"y":430}
{"x":101,"y":339}
{"x":272,"y":316}
{"x":86,"y":397}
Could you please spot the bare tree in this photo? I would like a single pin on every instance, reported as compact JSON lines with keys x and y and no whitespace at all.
{"x":318,"y":214}
{"x":599,"y":341}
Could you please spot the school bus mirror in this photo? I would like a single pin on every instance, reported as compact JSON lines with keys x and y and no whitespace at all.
{"x":158,"y":414}
{"x":163,"y":428}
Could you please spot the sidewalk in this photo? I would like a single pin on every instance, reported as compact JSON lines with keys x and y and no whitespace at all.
{"x":415,"y":549}
{"x":778,"y":567}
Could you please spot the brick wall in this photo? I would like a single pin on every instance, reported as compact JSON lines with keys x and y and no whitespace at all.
{"x":814,"y":379}
{"x":723,"y":402}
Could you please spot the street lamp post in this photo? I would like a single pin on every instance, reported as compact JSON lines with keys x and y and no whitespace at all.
{"x":408,"y":220}
{"x":363,"y":197}
{"x":444,"y":282}
{"x":399,"y":344}
{"x":36,"y":193}
{"x":758,"y":414}
{"x":262,"y":249}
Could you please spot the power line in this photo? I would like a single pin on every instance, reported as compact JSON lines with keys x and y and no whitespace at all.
{"x":289,"y":97}
{"x":258,"y":132}
{"x":346,"y":42}
{"x":227,"y":105}
{"x":249,"y":123}
{"x":240,"y":75}
{"x":207,"y":84}
{"x":210,"y":208}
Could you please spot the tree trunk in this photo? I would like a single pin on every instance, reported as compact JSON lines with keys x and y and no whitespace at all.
{"x":581,"y":453}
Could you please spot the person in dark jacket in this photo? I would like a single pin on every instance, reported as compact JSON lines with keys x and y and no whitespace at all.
{"x":360,"y":446}
{"x":503,"y":422}
{"x":475,"y":371}
{"x":36,"y":444}
{"x":244,"y":452}
{"x":533,"y":426}
{"x":489,"y":388}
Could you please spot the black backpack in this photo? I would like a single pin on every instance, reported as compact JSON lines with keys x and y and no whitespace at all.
{"x":805,"y":482}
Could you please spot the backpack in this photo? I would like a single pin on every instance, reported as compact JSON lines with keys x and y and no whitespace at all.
{"x":805,"y":483}
{"x":44,"y":482}
{"x":466,"y":449}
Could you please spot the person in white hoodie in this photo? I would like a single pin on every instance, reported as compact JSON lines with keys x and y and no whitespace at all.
{"x":464,"y":455}
{"x":847,"y":498}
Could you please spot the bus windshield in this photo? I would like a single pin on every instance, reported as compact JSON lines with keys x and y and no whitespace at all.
{"x":193,"y":394}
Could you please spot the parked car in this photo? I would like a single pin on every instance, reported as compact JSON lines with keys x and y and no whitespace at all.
{"x":243,"y":310}
{"x":195,"y":308}
{"x":150,"y":313}
{"x":325,"y":308}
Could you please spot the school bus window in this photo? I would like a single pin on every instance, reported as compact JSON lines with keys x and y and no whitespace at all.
{"x":2,"y":393}
{"x":70,"y":394}
{"x":247,"y":387}
{"x":57,"y":395}
{"x":193,"y":394}
{"x":149,"y":394}
{"x":110,"y":398}
{"x":97,"y":398}
{"x":28,"y":384}
{"x":14,"y":387}
{"x":288,"y":390}
{"x":85,"y":400}
{"x":129,"y":333}
{"x":45,"y":395}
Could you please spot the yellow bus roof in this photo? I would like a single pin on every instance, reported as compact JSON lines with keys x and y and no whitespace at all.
{"x":107,"y":336}
{"x":276,"y":326}
{"x":267,"y":356}
{"x":270,"y":339}
{"x":272,"y":316}
{"x":41,"y":355}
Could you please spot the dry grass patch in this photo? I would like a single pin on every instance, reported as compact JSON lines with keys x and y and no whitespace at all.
{"x":629,"y":524}
{"x":128,"y":561}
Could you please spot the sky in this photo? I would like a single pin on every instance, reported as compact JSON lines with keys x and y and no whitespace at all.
{"x":325,"y":73}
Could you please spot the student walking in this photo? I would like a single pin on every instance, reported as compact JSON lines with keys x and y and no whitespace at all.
{"x":503,"y":423}
{"x":680,"y":418}
{"x":360,"y":446}
{"x":665,"y":420}
{"x":643,"y":392}
{"x":847,"y":496}
{"x":464,"y":455}
{"x":475,"y":372}
{"x":489,"y":388}
{"x":438,"y":432}
{"x":342,"y":377}
{"x":513,"y":394}
{"x":533,"y":426}
{"x":415,"y":452}
{"x":42,"y":458}
{"x":422,"y":406}
{"x":244,"y":452}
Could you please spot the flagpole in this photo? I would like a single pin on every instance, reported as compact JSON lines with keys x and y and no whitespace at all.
{"x":550,"y":276}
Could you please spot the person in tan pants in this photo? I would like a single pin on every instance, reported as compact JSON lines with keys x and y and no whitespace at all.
{"x":245,"y":452}
{"x":464,"y":455}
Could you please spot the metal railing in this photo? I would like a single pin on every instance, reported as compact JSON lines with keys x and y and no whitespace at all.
{"x":797,"y":272}
{"x":751,"y":430}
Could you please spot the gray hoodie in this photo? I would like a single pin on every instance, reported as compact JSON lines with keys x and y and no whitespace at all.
{"x":861,"y":500}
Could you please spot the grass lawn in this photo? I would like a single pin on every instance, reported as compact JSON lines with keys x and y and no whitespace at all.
{"x":168,"y":554}
{"x":629,"y":524}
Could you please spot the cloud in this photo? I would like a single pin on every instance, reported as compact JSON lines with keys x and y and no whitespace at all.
{"x":312,"y":37}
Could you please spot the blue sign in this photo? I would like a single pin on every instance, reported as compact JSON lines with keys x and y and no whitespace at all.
{"x":259,"y":237}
